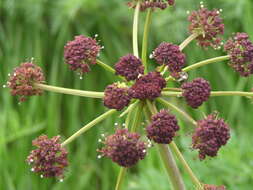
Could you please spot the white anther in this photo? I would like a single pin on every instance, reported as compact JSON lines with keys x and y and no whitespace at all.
{"x":202,"y":6}
{"x":187,"y":12}
{"x":103,"y":47}
{"x":220,"y":10}
{"x":99,"y":156}
{"x":123,"y":124}
{"x":103,"y":135}
{"x":151,"y":56}
{"x":81,"y":77}
{"x":9,"y":74}
{"x":41,"y":176}
{"x":32,"y":169}
{"x":144,"y":151}
{"x":99,"y":140}
{"x":96,"y":35}
{"x":115,"y":124}
{"x":15,"y":74}
{"x":61,"y":180}
{"x":31,"y":160}
{"x":4,"y":86}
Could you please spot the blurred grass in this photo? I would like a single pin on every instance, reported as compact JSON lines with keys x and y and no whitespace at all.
{"x":40,"y":28}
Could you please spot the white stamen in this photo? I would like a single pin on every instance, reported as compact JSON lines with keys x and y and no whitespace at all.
{"x":4,"y":86}
{"x":31,"y":160}
{"x":99,"y":156}
{"x":102,"y":135}
{"x":151,"y":56}
{"x":96,"y":35}
{"x":123,"y":124}
{"x":144,"y":151}
{"x":15,"y":74}
{"x":32,"y":169}
{"x":61,"y":180}
{"x":103,"y":47}
{"x":202,"y":6}
{"x":115,"y":124}
{"x":220,"y":10}
{"x":41,"y":176}
{"x":81,"y":77}
{"x":9,"y":74}
{"x":187,"y":12}
{"x":99,"y":140}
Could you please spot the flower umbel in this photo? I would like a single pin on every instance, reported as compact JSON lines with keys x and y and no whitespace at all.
{"x":162,"y":128}
{"x":129,"y":67}
{"x":49,"y":159}
{"x":124,"y":148}
{"x":196,"y":92}
{"x":170,"y":55}
{"x":81,"y":53}
{"x":240,"y":49}
{"x":208,"y":24}
{"x":145,"y":4}
{"x":148,"y":86}
{"x":210,"y":135}
{"x":21,"y":81}
{"x":116,"y":96}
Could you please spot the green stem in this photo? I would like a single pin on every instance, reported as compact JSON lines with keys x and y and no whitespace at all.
{"x":187,"y":41}
{"x":135,"y":124}
{"x":120,"y":178}
{"x":168,"y":159}
{"x":105,"y":66}
{"x":135,"y":29}
{"x":88,"y":126}
{"x":176,"y":109}
{"x":174,"y":89}
{"x":202,"y":63}
{"x":185,"y":165}
{"x":145,"y":39}
{"x":213,"y":93}
{"x":89,"y":94}
{"x":171,"y":167}
{"x":129,"y":108}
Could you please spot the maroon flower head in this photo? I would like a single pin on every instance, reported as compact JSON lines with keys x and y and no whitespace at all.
{"x":145,"y":4}
{"x":162,"y":128}
{"x":210,"y":135}
{"x":21,"y":81}
{"x":124,"y":148}
{"x":116,"y":96}
{"x":81,"y":53}
{"x":148,"y":86}
{"x":129,"y":67}
{"x":196,"y":92}
{"x":214,"y":187}
{"x":240,"y":49}
{"x":208,"y":24}
{"x":49,"y":159}
{"x":170,"y":55}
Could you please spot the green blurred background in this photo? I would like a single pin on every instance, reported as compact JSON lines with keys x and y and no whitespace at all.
{"x":40,"y":28}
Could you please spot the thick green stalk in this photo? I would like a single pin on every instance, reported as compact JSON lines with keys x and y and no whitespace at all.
{"x":135,"y":124}
{"x":188,"y":40}
{"x":176,"y":109}
{"x":171,"y":167}
{"x":145,"y":40}
{"x":88,"y":126}
{"x":135,"y":29}
{"x":202,"y":63}
{"x":168,"y":159}
{"x":89,"y":94}
{"x":186,"y":166}
{"x":213,"y":93}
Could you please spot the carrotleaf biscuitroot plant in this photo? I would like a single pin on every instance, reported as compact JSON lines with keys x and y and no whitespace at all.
{"x":137,"y":93}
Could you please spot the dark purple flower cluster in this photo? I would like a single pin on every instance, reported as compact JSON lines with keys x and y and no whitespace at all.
{"x":146,"y":4}
{"x":49,"y":159}
{"x":214,"y":187}
{"x":208,"y":24}
{"x":196,"y":92}
{"x":124,"y":148}
{"x":148,"y":86}
{"x":210,"y":135}
{"x":162,"y":128}
{"x":21,"y":81}
{"x":240,"y":49}
{"x":171,"y":56}
{"x":116,"y":97}
{"x":81,"y":53}
{"x":129,"y":67}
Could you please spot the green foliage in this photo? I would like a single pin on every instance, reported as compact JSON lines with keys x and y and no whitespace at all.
{"x":40,"y":28}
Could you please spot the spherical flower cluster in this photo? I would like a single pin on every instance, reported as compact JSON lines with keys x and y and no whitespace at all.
{"x":214,"y":187}
{"x":116,"y":96}
{"x":209,"y":25}
{"x":162,"y":128}
{"x":210,"y":135}
{"x":196,"y":92}
{"x":124,"y":148}
{"x":129,"y":67}
{"x":145,"y":4}
{"x":148,"y":86}
{"x":21,"y":81}
{"x":49,"y":159}
{"x":171,"y":56}
{"x":240,"y":49}
{"x":81,"y":53}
